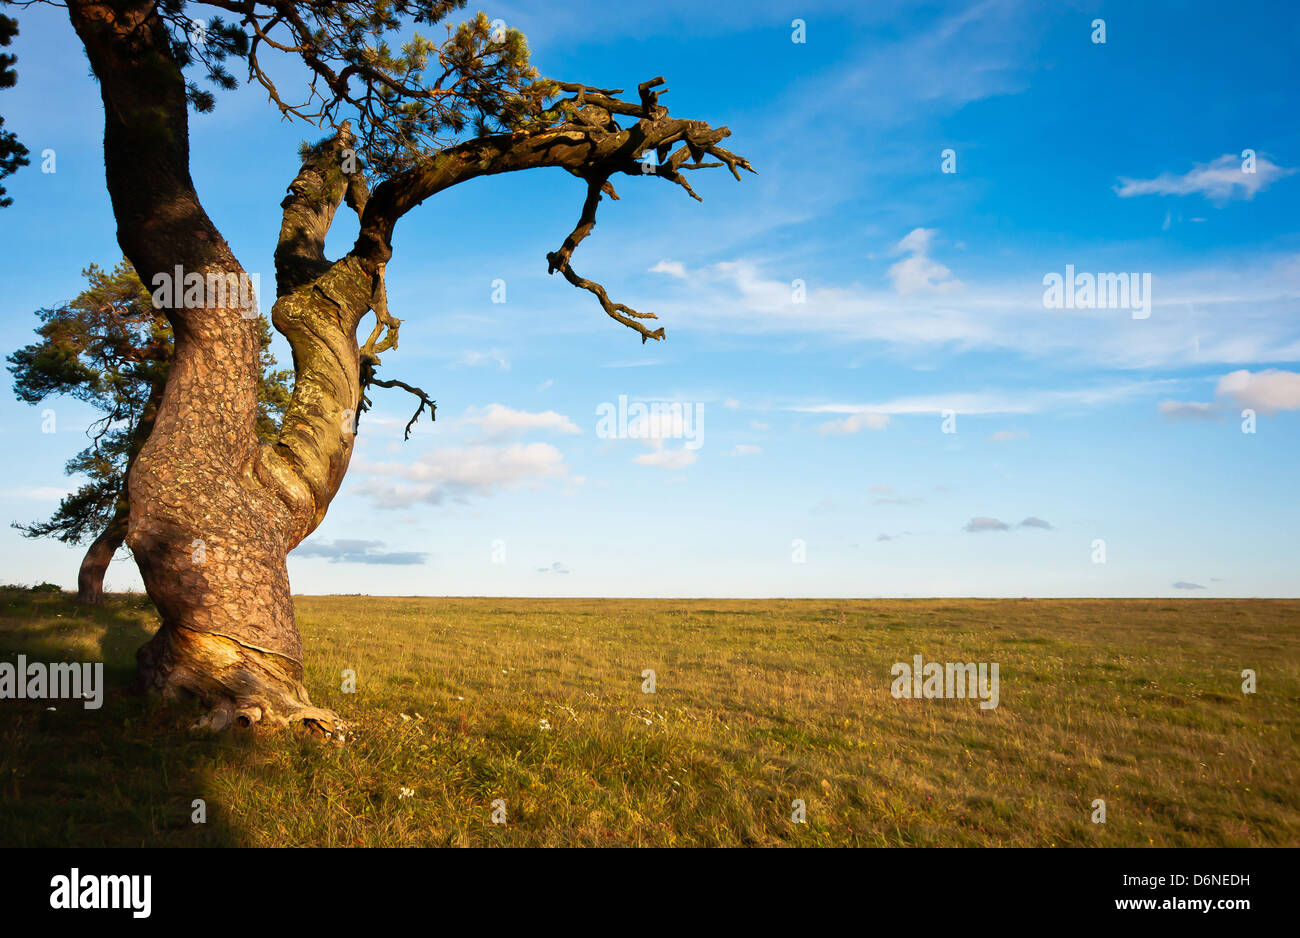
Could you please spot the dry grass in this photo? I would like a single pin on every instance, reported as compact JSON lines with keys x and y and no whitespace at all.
{"x":758,"y":703}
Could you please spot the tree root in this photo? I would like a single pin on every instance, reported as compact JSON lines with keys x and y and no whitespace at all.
{"x":239,"y":686}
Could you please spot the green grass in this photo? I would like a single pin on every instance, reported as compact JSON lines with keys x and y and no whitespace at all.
{"x":758,"y":703}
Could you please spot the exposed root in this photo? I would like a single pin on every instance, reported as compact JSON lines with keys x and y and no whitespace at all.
{"x":240,"y":686}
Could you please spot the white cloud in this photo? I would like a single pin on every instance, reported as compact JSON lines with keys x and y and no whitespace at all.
{"x":973,"y":403}
{"x":655,"y":424}
{"x":457,"y":473}
{"x":358,"y":551}
{"x":1004,"y":436}
{"x":1220,"y":179}
{"x":671,"y":268}
{"x":983,"y":50}
{"x":854,"y":423}
{"x":746,"y":449}
{"x":476,"y":359}
{"x":498,"y":420}
{"x":918,"y":272}
{"x":916,"y":241}
{"x":674,"y":421}
{"x":1265,"y":391}
{"x":1239,"y":312}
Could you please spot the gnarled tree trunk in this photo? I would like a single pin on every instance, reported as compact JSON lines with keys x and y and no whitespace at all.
{"x":213,"y":513}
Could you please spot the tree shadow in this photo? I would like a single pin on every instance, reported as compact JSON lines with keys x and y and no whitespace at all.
{"x":126,"y":774}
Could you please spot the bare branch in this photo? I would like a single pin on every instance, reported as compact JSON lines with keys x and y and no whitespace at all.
{"x":386,"y":324}
{"x":368,"y":380}
{"x":586,"y":141}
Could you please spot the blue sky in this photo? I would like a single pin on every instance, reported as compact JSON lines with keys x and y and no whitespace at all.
{"x":823,"y":468}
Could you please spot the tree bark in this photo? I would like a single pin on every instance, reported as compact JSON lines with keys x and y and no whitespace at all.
{"x":213,"y":513}
{"x":90,"y":578}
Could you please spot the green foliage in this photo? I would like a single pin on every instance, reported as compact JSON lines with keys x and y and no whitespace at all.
{"x":403,"y":101}
{"x":111,"y":348}
{"x":12,"y":153}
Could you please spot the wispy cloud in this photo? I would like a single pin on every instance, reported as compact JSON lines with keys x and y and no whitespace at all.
{"x":863,"y":421}
{"x":478,"y":359}
{"x":1220,"y":180}
{"x":973,"y":403}
{"x":1187,"y":410}
{"x":1232,"y":312}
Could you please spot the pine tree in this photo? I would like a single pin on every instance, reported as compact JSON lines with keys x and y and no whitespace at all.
{"x":12,"y":153}
{"x":404,"y":123}
{"x":110,"y":347}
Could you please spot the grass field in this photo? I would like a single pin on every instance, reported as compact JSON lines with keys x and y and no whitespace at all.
{"x":539,"y":703}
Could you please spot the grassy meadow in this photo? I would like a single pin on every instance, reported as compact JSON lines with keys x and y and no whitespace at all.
{"x":539,"y":702}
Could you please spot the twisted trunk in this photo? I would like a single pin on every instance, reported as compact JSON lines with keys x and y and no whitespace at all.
{"x":213,"y":512}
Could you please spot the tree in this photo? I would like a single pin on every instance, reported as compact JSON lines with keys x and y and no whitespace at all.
{"x":110,"y":347}
{"x":213,"y":510}
{"x":12,"y":153}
